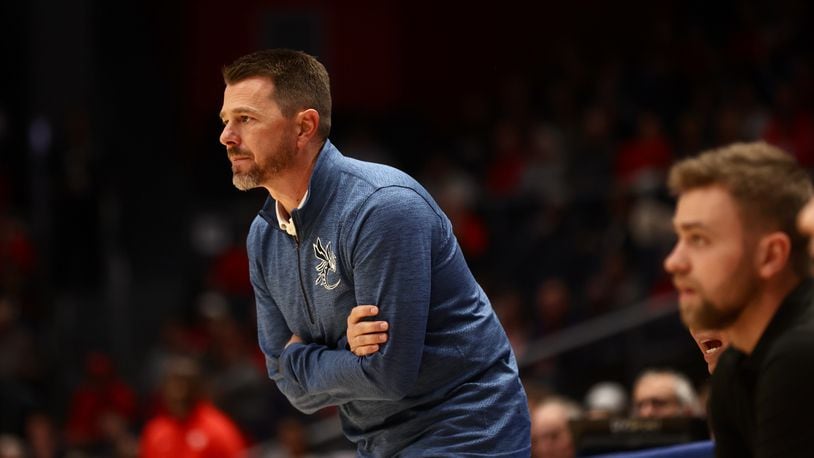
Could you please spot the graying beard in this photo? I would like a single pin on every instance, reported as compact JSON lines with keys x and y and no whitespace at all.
{"x":246,"y":181}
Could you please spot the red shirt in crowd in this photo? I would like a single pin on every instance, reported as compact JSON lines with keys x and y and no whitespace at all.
{"x":205,"y":433}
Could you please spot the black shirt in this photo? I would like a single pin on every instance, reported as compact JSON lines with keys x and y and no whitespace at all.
{"x":762,"y":405}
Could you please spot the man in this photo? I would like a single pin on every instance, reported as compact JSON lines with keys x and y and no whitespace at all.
{"x":551,"y":435}
{"x":664,"y":393}
{"x":187,"y":424}
{"x":606,"y":399}
{"x":740,"y":265}
{"x":436,"y":375}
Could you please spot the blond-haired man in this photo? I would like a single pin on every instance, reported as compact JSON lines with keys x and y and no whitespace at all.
{"x":740,"y":265}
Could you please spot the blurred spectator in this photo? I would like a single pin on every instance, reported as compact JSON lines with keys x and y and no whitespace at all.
{"x":606,"y":400}
{"x":24,"y":419}
{"x":505,"y":172}
{"x":226,"y":263}
{"x":691,"y":135}
{"x":366,"y":147}
{"x":17,"y":255}
{"x":230,"y":272}
{"x":664,"y":393}
{"x":552,"y":312}
{"x":174,"y":338}
{"x":552,"y":305}
{"x":543,"y":178}
{"x":728,"y":125}
{"x":11,"y":447}
{"x":791,"y":126}
{"x":23,"y":416}
{"x":551,"y":435}
{"x":102,"y":410}
{"x":239,"y":386}
{"x":614,"y":285}
{"x":650,"y":226}
{"x":536,"y":391}
{"x":19,"y":355}
{"x":590,"y":165}
{"x":291,"y":435}
{"x":508,"y":305}
{"x":457,"y":194}
{"x":188,"y":424}
{"x":643,"y":160}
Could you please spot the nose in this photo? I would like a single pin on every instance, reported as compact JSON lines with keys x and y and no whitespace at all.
{"x":675,"y":262}
{"x":228,"y":137}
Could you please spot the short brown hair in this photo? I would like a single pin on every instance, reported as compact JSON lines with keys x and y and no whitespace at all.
{"x":767,"y":183}
{"x":300,"y":81}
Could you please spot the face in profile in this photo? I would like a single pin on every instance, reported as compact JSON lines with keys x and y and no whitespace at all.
{"x":712,"y":262}
{"x":260,"y":141}
{"x":711,"y":343}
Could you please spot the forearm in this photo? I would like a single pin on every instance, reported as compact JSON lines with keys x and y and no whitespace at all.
{"x":302,"y":400}
{"x":337,"y":376}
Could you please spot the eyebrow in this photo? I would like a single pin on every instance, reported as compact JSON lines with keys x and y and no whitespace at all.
{"x":240,"y":110}
{"x":689,"y":225}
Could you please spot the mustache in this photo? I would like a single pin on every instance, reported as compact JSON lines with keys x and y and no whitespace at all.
{"x":234,"y":151}
{"x":683,"y":283}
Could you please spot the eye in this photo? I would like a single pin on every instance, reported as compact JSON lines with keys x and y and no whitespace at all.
{"x":244,"y":119}
{"x":697,"y":240}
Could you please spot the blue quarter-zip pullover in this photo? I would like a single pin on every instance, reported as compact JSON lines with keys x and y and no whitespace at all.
{"x":446,"y":382}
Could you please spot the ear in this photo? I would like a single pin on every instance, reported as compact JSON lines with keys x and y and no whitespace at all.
{"x":307,"y":124}
{"x":772,"y":254}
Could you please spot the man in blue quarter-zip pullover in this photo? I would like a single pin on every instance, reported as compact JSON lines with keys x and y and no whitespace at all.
{"x":339,"y":241}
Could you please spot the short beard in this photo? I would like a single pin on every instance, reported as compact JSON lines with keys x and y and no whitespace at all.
{"x":707,"y":316}
{"x":743,"y":286}
{"x":244,"y":180}
{"x":276,"y":164}
{"x":248,"y":180}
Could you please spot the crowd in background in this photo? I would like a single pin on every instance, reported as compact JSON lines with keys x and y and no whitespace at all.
{"x":554,"y":183}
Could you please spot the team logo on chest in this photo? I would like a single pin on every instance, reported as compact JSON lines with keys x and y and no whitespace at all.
{"x":327,"y":263}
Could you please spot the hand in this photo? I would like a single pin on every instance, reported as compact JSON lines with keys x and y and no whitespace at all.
{"x":294,"y":339}
{"x":365,"y":337}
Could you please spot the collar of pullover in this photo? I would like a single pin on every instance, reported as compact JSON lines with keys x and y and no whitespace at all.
{"x":319,"y":192}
